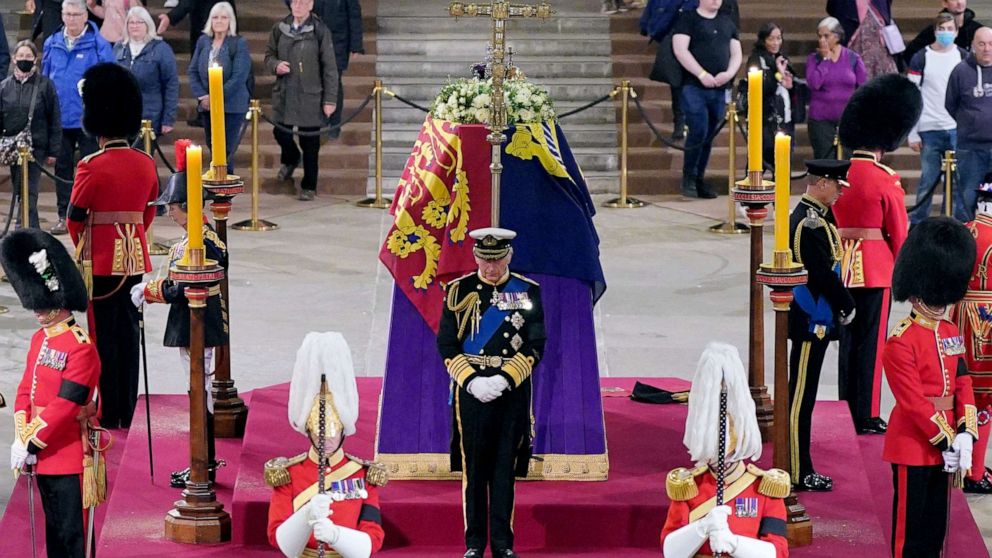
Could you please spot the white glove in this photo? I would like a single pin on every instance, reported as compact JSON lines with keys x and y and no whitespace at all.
{"x":319,"y":507}
{"x":325,"y":531}
{"x":498,"y":383}
{"x":18,"y":454}
{"x":482,"y":390}
{"x":846,"y":320}
{"x":964,"y":445}
{"x":713,"y":521}
{"x":723,"y":541}
{"x":138,"y":295}
{"x":952,"y":460}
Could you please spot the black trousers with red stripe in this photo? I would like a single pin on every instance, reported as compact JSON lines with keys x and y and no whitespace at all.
{"x":859,"y":369}
{"x":62,"y":500}
{"x":920,"y":508}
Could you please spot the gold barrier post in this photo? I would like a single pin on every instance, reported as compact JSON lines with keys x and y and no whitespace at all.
{"x":254,"y":224}
{"x":624,"y":202}
{"x":148,"y":135}
{"x":377,"y":202}
{"x":950,"y":167}
{"x":24,"y":155}
{"x":731,"y":226}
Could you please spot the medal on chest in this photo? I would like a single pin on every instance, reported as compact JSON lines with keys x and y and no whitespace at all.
{"x":746,"y":508}
{"x":953,"y":345}
{"x":347,"y":489}
{"x":51,"y":358}
{"x":511,"y":301}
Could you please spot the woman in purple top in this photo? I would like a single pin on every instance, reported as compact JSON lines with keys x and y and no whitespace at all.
{"x":833,"y":72}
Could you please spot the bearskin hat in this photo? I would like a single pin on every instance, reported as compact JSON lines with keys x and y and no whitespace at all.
{"x":880,"y":114}
{"x":111,"y":102}
{"x":935,"y":263}
{"x":41,"y":271}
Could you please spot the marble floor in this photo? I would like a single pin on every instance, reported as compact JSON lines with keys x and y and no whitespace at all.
{"x":672,"y":287}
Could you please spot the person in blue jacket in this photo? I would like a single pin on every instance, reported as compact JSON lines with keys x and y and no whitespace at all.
{"x":66,"y":57}
{"x":220,"y":44}
{"x":153,"y":64}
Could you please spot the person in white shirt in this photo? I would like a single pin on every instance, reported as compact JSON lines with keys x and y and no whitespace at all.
{"x":936,"y":130}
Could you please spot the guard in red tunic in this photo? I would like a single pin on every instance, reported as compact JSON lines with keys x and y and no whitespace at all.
{"x":871,"y":219}
{"x":750,"y":521}
{"x":973,"y":316}
{"x":345,"y":516}
{"x":61,"y":373}
{"x":108,"y":214}
{"x":934,"y":424}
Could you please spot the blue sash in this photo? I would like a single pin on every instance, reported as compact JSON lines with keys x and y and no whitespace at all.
{"x":819,"y":311}
{"x":492,"y":318}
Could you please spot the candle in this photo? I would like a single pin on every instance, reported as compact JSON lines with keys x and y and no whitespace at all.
{"x":218,"y":144}
{"x":783,"y":144}
{"x":754,"y":118}
{"x":194,"y":199}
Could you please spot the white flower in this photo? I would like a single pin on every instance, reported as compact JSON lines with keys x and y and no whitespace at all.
{"x":481,"y":101}
{"x":39,"y":260}
{"x":526,"y":115}
{"x":482,"y":115}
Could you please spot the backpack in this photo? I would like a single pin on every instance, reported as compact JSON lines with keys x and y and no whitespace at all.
{"x":659,"y":16}
{"x":250,"y":81}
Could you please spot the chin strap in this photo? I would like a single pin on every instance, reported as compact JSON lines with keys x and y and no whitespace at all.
{"x":683,"y":542}
{"x":352,"y":543}
{"x":293,"y":534}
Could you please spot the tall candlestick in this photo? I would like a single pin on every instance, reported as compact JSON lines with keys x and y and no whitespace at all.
{"x":218,"y":143}
{"x":194,"y":198}
{"x":783,"y":177}
{"x":754,"y":119}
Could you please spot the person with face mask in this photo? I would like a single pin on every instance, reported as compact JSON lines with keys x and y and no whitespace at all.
{"x":28,"y":98}
{"x":695,"y":525}
{"x":936,"y":131}
{"x":344,"y":518}
{"x":964,"y":20}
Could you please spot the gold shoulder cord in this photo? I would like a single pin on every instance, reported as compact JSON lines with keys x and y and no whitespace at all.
{"x":465,"y":311}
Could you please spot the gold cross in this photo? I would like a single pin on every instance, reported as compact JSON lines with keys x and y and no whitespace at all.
{"x":499,"y":11}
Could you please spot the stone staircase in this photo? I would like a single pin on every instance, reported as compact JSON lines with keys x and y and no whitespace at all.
{"x":420,"y":48}
{"x":657,"y":169}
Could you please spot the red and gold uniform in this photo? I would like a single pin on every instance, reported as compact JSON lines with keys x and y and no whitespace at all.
{"x":755,"y":498}
{"x":108,"y":215}
{"x":294,"y":483}
{"x":973,"y":316}
{"x":872,"y":222}
{"x":925,"y":366}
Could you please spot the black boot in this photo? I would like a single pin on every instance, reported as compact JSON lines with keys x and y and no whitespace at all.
{"x":178,"y":479}
{"x":689,"y":186}
{"x":983,"y":486}
{"x":814,"y":482}
{"x":874,"y":425}
{"x":678,"y":131}
{"x":703,"y":190}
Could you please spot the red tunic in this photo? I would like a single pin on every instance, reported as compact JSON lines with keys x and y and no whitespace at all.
{"x":753,"y":514}
{"x":62,"y":371}
{"x":111,"y":196}
{"x":973,"y":315}
{"x":871,"y":218}
{"x":356,"y":513}
{"x":923,"y":361}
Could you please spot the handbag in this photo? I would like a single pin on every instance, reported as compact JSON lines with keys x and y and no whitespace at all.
{"x":893,"y":39}
{"x":9,"y":154}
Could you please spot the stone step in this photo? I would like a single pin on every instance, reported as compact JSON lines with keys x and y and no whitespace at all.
{"x":598,"y":182}
{"x":400,"y":66}
{"x":439,"y":8}
{"x":562,"y":89}
{"x":428,"y":22}
{"x":543,"y":44}
{"x":395,"y":112}
{"x":589,"y":158}
{"x":578,"y":135}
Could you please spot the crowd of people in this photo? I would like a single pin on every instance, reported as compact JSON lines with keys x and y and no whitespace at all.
{"x":856,"y":42}
{"x":308,"y":52}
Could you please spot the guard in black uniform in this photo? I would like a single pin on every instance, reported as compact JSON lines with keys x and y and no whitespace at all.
{"x":167,"y":291}
{"x":491,"y":338}
{"x":817,"y":308}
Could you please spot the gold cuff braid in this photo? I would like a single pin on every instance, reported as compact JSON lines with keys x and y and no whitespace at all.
{"x":459,"y":369}
{"x":970,"y":420}
{"x":153,"y":292}
{"x":519,"y":368}
{"x":20,"y":425}
{"x":946,"y":432}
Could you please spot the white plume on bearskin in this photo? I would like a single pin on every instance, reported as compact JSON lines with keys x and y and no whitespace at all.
{"x":323,"y":353}
{"x":721,"y":361}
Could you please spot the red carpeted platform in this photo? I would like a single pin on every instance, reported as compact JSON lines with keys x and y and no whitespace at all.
{"x":621,"y":516}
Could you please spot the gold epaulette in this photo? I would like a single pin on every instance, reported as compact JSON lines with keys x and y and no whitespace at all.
{"x":80,"y":334}
{"x":775,"y":483}
{"x":91,"y":156}
{"x":375,"y":472}
{"x":886,"y":168}
{"x":901,"y":327}
{"x":525,"y":279}
{"x":680,"y":484}
{"x":211,"y":235}
{"x":277,"y":470}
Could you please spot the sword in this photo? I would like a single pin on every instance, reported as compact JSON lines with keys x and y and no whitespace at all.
{"x":148,"y":408}
{"x":91,"y":516}
{"x":29,"y":472}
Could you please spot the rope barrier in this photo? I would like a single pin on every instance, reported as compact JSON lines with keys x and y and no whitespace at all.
{"x":588,"y":106}
{"x":406,"y":101}
{"x":50,"y":174}
{"x":669,"y":143}
{"x":323,"y":130}
{"x":165,"y":160}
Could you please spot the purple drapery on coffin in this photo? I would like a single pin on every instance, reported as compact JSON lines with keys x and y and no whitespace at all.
{"x":415,"y":418}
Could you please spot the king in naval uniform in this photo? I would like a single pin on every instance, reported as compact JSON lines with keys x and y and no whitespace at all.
{"x":750,"y":521}
{"x":344,"y":516}
{"x":491,"y":338}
